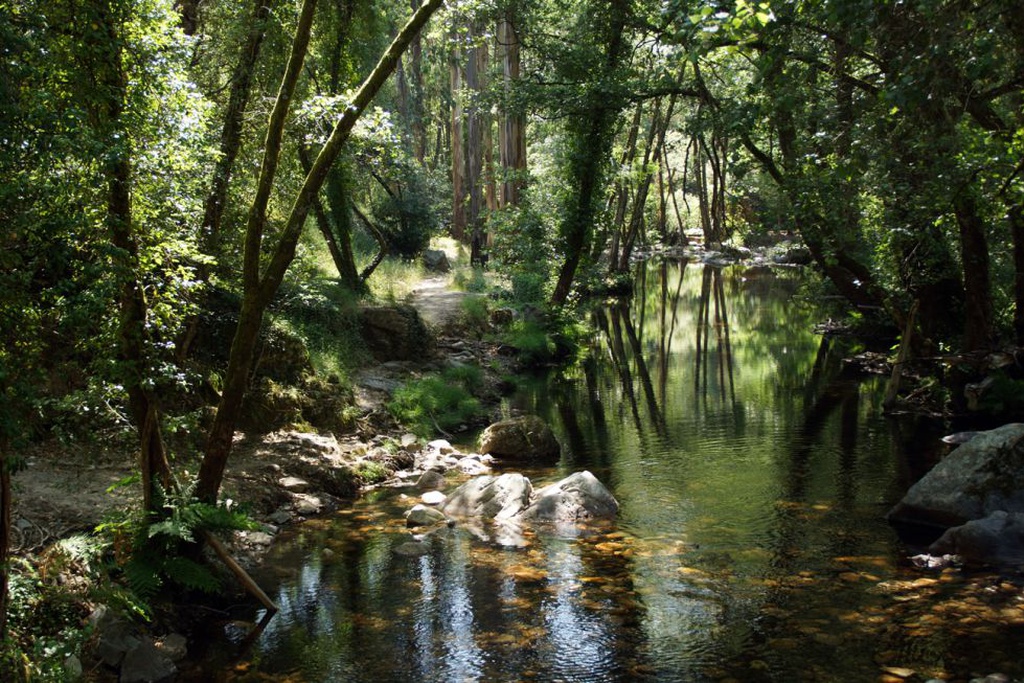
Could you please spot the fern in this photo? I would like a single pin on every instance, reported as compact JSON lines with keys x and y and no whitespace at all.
{"x":191,"y":575}
{"x":156,"y":554}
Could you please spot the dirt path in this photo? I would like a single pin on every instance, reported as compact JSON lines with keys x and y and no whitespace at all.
{"x":439,"y":305}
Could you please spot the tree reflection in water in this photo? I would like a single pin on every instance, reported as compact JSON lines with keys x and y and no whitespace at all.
{"x":751,"y":544}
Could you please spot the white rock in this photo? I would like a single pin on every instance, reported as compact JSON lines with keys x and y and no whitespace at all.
{"x":433,"y":498}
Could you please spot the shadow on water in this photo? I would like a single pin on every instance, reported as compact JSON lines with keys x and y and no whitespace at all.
{"x":753,"y":479}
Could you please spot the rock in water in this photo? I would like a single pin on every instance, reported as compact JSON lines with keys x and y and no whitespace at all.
{"x":997,"y":539}
{"x":520,"y":438}
{"x":578,"y":497}
{"x":978,"y":478}
{"x":423,"y":515}
{"x":490,"y":497}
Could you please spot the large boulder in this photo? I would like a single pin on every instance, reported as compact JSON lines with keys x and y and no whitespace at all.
{"x":980,"y":477}
{"x":436,"y":261}
{"x":520,"y":438}
{"x":490,"y":497}
{"x":394,"y":333}
{"x":578,"y":497}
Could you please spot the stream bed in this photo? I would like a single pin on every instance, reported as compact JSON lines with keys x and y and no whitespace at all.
{"x":753,"y":478}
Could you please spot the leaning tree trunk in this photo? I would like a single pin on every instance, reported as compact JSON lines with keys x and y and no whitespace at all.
{"x":259,"y":289}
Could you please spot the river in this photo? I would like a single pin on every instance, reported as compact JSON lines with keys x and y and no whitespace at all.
{"x":753,"y":478}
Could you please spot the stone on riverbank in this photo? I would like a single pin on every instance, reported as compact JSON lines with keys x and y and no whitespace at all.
{"x":520,"y":438}
{"x":997,"y":539}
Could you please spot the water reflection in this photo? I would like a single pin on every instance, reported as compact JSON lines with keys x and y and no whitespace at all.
{"x":751,"y":545}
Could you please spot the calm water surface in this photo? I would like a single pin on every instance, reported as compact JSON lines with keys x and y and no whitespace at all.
{"x":751,"y":544}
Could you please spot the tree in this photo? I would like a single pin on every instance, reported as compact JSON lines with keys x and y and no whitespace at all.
{"x":260,"y":287}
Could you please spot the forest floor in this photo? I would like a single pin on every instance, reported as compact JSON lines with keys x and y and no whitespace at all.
{"x":67,"y":489}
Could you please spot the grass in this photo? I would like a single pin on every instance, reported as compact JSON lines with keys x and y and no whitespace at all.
{"x":438,"y":402}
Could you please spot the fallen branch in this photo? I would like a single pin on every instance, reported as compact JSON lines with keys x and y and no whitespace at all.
{"x":243,"y":577}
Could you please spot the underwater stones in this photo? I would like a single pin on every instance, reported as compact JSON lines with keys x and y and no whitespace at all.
{"x":578,"y":497}
{"x":977,"y":478}
{"x":490,"y":497}
{"x":411,"y":549}
{"x":520,"y":438}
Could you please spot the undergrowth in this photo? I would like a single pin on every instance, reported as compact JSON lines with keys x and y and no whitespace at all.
{"x":442,"y":402}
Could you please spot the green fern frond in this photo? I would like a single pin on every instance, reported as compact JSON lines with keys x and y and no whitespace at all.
{"x":143,"y":576}
{"x":191,"y":574}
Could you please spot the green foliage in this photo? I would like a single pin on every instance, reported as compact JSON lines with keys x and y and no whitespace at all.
{"x":438,"y":402}
{"x":370,"y":472}
{"x":151,"y":552}
{"x":532,"y":341}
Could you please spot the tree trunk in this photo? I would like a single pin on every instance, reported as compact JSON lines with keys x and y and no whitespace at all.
{"x":133,"y":336}
{"x":417,"y":125}
{"x":5,"y":533}
{"x":335,"y":226}
{"x":259,"y":290}
{"x":231,"y":133}
{"x":588,"y":166}
{"x":512,"y":134}
{"x":458,"y":160}
{"x":1017,"y":232}
{"x":974,"y":256}
{"x":475,"y":124}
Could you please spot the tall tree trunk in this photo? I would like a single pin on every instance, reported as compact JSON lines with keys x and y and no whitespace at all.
{"x":512,"y":133}
{"x":458,"y":159}
{"x":112,"y":89}
{"x":417,"y":110}
{"x":260,"y":289}
{"x":476,"y":121}
{"x":231,"y":133}
{"x":623,"y":188}
{"x":974,"y":255}
{"x":1017,"y":232}
{"x":5,"y":532}
{"x":593,"y":140}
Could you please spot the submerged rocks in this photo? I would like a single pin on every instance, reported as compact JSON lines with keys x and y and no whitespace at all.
{"x":520,"y":438}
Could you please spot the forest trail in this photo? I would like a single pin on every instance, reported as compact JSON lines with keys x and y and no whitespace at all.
{"x":438,"y":304}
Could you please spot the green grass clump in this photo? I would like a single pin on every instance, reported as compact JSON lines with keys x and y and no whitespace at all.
{"x":438,"y":402}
